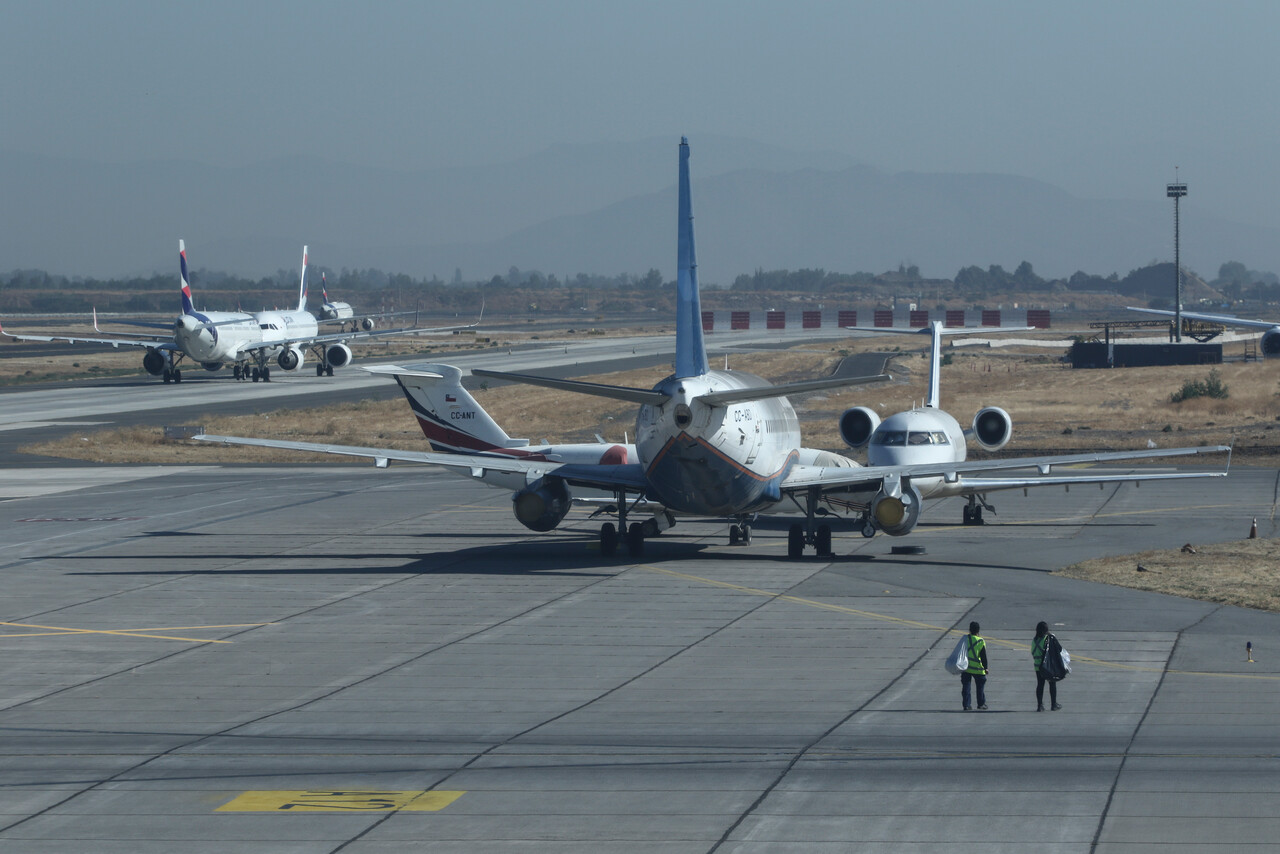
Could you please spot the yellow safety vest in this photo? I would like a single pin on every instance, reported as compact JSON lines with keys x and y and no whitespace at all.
{"x":976,"y":645}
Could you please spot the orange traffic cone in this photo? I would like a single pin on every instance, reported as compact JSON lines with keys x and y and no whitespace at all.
{"x":1253,"y":529}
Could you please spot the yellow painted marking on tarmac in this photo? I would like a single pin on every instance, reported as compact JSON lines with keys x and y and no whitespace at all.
{"x":343,"y":800}
{"x":916,"y":624}
{"x":132,"y":633}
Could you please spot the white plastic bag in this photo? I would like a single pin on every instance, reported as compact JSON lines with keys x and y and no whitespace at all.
{"x":958,"y":660}
{"x":1066,"y":661}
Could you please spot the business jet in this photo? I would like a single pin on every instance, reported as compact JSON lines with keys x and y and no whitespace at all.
{"x":709,"y":443}
{"x":927,"y":436}
{"x":248,"y":341}
{"x":1270,"y":343}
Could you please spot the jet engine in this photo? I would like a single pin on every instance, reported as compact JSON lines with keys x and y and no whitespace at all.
{"x":542,"y":504}
{"x":338,"y":355}
{"x":211,"y":366}
{"x":154,"y":363}
{"x":992,"y":428}
{"x":857,"y":425}
{"x":367,"y":324}
{"x":1271,"y":342}
{"x":896,"y":516}
{"x":291,"y":359}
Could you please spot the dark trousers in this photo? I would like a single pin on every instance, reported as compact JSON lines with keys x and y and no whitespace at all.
{"x":1053,"y":690}
{"x":964,"y":688}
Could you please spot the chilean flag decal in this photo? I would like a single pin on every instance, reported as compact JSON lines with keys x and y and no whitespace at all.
{"x":448,"y":398}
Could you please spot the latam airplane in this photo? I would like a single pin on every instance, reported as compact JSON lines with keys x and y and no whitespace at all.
{"x":709,"y":443}
{"x":249,"y":341}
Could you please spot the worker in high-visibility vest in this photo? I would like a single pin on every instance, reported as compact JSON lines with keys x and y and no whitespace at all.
{"x":977,"y":671}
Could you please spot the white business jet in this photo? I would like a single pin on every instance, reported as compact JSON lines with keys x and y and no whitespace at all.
{"x":928,"y":436}
{"x":708,"y":443}
{"x":248,"y":341}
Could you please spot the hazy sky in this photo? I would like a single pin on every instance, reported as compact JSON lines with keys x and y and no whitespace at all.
{"x":1101,"y":98}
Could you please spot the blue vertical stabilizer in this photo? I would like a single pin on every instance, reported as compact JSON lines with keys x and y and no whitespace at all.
{"x":691,"y":352}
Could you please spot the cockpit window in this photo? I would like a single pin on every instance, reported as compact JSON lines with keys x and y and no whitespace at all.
{"x":898,"y":438}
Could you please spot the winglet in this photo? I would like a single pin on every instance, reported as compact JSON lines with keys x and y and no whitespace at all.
{"x":188,"y":307}
{"x":302,"y":285}
{"x":935,"y":366}
{"x":691,"y":351}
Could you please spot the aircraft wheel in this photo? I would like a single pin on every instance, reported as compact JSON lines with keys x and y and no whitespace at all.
{"x":635,"y":539}
{"x":795,"y":541}
{"x":266,"y":375}
{"x":734,"y":535}
{"x":177,"y":375}
{"x":746,"y":535}
{"x":868,"y":530}
{"x":319,"y":370}
{"x":977,"y":515}
{"x":822,"y":542}
{"x":328,"y":371}
{"x":608,"y":539}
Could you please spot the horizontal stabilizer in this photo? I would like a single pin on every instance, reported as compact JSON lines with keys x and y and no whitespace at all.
{"x":738,"y":395}
{"x":634,"y":395}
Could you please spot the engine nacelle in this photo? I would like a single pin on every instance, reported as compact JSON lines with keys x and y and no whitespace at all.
{"x":367,"y":324}
{"x":338,"y":355}
{"x":541,"y":505}
{"x":211,"y":366}
{"x":1271,"y":342}
{"x":896,"y":516}
{"x":291,"y":359}
{"x":992,"y":428}
{"x":857,"y":425}
{"x":154,"y":362}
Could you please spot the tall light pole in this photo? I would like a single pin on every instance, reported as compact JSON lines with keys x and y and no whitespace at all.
{"x":1176,"y":191}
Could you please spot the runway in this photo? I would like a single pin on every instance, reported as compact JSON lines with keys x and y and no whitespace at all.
{"x":315,"y":659}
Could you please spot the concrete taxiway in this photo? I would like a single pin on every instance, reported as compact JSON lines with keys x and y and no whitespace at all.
{"x":314,"y":659}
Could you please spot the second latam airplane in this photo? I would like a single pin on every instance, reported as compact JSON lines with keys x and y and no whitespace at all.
{"x":708,"y":443}
{"x":248,"y":341}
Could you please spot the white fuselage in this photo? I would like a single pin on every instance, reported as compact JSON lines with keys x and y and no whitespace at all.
{"x":219,"y":336}
{"x":924,"y":435}
{"x":716,"y":459}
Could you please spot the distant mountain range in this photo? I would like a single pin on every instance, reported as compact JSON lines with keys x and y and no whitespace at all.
{"x":602,"y":208}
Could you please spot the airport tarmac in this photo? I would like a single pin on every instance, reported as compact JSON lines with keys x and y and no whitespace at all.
{"x":318,"y":658}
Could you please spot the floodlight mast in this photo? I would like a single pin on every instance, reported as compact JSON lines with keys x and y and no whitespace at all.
{"x":1176,"y":191}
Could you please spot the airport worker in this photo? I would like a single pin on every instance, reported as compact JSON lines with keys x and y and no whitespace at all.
{"x":1039,"y":644}
{"x":977,"y":671}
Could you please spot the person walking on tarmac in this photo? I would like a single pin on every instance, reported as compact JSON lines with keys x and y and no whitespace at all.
{"x":977,"y":671}
{"x":1038,"y":646}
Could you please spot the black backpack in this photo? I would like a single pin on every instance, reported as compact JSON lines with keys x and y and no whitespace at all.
{"x":1052,"y":666}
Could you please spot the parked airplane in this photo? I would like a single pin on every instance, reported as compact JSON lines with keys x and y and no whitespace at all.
{"x":1270,"y":342}
{"x":708,"y":443}
{"x":928,"y":435}
{"x":248,"y":341}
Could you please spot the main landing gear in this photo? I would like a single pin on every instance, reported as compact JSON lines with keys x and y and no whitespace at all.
{"x":633,"y":534}
{"x":973,"y":510}
{"x":255,"y":373}
{"x":808,"y":534}
{"x":172,"y":375}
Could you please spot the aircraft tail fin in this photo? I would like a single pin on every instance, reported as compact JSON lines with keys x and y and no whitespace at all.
{"x":451,"y":419}
{"x":691,"y":350}
{"x":302,"y":284}
{"x":188,"y":307}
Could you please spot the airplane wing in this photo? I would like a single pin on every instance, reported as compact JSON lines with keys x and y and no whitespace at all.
{"x":155,"y":343}
{"x":629,"y":476}
{"x":1224,"y":319}
{"x":832,"y":478}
